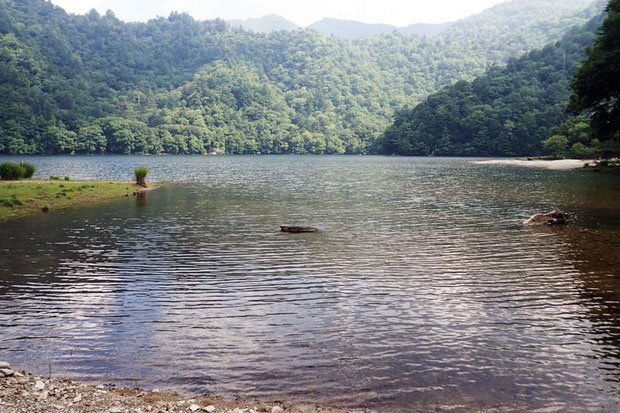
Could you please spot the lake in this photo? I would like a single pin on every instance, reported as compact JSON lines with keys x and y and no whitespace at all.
{"x":422,"y":290}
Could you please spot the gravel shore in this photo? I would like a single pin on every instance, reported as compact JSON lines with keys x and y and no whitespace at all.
{"x":21,"y":392}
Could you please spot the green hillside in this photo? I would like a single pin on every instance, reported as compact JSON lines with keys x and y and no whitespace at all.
{"x":509,"y":111}
{"x":92,"y":84}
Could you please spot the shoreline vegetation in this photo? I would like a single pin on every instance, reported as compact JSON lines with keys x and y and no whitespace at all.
{"x":21,"y":392}
{"x":27,"y":197}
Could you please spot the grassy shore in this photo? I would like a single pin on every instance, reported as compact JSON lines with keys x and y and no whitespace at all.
{"x":20,"y":198}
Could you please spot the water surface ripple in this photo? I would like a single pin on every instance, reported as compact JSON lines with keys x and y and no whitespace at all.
{"x":421,"y":291}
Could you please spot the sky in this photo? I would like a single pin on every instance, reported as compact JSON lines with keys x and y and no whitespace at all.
{"x":302,"y":12}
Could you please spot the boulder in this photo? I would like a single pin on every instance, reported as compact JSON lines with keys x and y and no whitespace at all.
{"x":549,"y":219}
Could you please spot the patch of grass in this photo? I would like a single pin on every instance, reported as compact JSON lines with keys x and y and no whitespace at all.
{"x":19,"y":198}
{"x":54,"y":178}
{"x":10,"y":202}
{"x":67,"y":178}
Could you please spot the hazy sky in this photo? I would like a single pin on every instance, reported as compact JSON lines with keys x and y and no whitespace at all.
{"x":302,"y":12}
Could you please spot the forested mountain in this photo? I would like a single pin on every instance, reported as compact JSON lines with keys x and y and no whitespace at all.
{"x":90,"y":84}
{"x":509,"y":111}
{"x":538,"y":21}
{"x":266,"y":24}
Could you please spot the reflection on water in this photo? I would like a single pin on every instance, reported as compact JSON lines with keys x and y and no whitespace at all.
{"x":422,"y":290}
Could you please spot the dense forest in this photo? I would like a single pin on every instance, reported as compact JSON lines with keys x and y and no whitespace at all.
{"x":596,"y":87}
{"x":94,"y":84}
{"x":509,"y":111}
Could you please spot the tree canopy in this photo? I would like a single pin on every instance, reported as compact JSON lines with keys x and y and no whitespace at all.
{"x":597,"y":82}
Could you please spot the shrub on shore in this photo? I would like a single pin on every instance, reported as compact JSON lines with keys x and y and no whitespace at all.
{"x":11,"y":171}
{"x":29,"y":170}
{"x":140,"y":173}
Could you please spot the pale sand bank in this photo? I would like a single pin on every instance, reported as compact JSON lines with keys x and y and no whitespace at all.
{"x":559,"y":165}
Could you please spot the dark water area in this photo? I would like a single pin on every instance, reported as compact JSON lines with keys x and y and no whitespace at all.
{"x":422,"y":291}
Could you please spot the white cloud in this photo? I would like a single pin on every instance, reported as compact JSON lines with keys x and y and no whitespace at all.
{"x":397,"y":12}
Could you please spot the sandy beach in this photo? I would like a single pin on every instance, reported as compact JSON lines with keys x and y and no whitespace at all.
{"x":557,"y":165}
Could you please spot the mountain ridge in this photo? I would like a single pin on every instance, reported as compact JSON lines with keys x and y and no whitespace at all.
{"x":355,"y":30}
{"x":264,"y":24}
{"x":351,"y":29}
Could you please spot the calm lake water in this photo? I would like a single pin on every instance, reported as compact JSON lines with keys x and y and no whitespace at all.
{"x":421,"y":291}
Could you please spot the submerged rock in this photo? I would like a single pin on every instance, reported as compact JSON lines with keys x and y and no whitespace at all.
{"x":298,"y":230}
{"x":549,"y":219}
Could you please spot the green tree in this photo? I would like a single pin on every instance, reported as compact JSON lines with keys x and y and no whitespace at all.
{"x":597,"y":83}
{"x":90,"y":139}
{"x":556,"y":145}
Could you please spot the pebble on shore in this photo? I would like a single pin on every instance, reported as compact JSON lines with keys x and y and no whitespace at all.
{"x":21,"y":392}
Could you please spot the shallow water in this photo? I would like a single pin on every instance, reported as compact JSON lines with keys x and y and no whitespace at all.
{"x":421,"y":291}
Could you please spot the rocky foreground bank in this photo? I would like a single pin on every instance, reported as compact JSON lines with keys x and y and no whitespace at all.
{"x":21,"y":392}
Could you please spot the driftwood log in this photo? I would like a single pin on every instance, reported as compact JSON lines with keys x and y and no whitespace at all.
{"x":298,"y":230}
{"x":549,"y":219}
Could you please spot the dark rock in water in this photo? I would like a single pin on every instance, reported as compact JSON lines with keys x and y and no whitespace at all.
{"x":298,"y":230}
{"x":45,"y":210}
{"x":549,"y":219}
